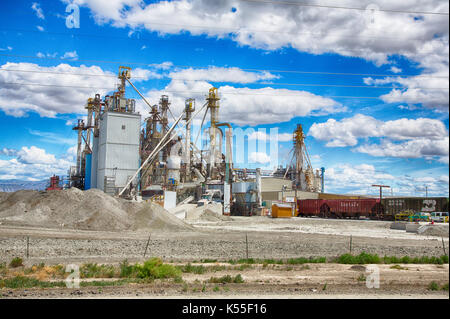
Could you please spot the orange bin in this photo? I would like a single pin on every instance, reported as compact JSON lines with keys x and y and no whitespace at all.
{"x":281,"y":211}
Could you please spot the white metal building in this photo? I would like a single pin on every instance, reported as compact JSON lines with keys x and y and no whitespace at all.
{"x":116,"y":150}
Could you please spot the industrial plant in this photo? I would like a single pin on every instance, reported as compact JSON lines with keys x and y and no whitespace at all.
{"x":147,"y":211}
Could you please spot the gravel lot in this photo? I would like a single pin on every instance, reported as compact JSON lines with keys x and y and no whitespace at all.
{"x":223,"y":240}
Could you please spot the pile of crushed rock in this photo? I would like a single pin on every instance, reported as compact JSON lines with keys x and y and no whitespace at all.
{"x":84,"y":210}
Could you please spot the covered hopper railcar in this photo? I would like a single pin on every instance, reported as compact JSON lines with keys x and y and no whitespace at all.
{"x":341,"y":208}
{"x":372,"y":208}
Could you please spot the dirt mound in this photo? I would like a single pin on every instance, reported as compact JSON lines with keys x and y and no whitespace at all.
{"x":212,"y":216}
{"x":196,"y":213}
{"x":89,"y":210}
{"x":434,"y":230}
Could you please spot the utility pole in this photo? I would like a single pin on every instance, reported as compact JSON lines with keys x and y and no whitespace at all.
{"x":381,"y":189}
{"x":426,"y":191}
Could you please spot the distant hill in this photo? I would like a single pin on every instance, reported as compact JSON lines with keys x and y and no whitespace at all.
{"x":12,"y":185}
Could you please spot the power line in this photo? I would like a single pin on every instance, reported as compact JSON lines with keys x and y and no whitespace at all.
{"x":228,"y":29}
{"x":342,"y":7}
{"x":252,"y":83}
{"x":243,"y":69}
{"x":189,"y":92}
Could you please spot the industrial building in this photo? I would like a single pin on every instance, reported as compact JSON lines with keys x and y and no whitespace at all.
{"x":127,"y":154}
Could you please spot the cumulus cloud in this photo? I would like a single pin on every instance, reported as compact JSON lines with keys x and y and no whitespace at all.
{"x":423,"y":39}
{"x":259,"y":158}
{"x":272,"y":25}
{"x":217,"y":74}
{"x":394,"y":69}
{"x":358,"y":179}
{"x":406,"y":138}
{"x":72,"y":55}
{"x":40,"y":28}
{"x":431,"y":92}
{"x":245,"y":106}
{"x":63,"y":98}
{"x":262,"y":136}
{"x":33,"y":163}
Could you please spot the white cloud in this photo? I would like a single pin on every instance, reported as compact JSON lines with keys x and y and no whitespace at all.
{"x":419,"y":147}
{"x":34,"y":155}
{"x":8,"y":152}
{"x":33,"y":163}
{"x":163,"y":66}
{"x":428,"y":91}
{"x":272,"y":25}
{"x":245,"y":106}
{"x":8,"y":48}
{"x":48,"y":100}
{"x":38,"y":10}
{"x":259,"y":158}
{"x":422,"y":137}
{"x":72,"y":55}
{"x":40,"y":28}
{"x":394,"y":69}
{"x":262,"y":136}
{"x":358,"y":179}
{"x":423,"y":39}
{"x":218,"y":74}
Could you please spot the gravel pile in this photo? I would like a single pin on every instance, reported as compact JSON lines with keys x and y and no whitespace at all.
{"x":86,"y":210}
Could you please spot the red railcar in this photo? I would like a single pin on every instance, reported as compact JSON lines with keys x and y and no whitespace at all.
{"x":340,"y":208}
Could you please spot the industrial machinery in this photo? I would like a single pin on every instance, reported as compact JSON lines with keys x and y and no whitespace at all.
{"x":118,"y":155}
{"x":300,"y":169}
{"x":54,"y":184}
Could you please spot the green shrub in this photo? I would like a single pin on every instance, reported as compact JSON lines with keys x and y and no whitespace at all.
{"x":27,"y":282}
{"x":126,"y":270}
{"x":16,"y":262}
{"x":362,"y":258}
{"x":238,"y":279}
{"x":445,"y":287}
{"x":303,"y":260}
{"x":433,"y":286}
{"x":155,"y":269}
{"x":192,"y":269}
{"x":91,"y":270}
{"x":206,"y":261}
{"x":361,"y":278}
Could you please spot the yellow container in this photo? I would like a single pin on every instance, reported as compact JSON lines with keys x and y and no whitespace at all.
{"x":281,"y":211}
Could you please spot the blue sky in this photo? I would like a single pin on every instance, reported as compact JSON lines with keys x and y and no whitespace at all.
{"x":371,"y":94}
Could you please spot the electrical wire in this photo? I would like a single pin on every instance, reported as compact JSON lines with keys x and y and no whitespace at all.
{"x":254,"y":83}
{"x":227,"y":29}
{"x":192,"y":92}
{"x":230,"y":67}
{"x":301,"y":4}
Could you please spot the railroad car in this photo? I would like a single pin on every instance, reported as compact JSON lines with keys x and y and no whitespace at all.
{"x":372,"y":208}
{"x":399,"y":205}
{"x":341,"y":208}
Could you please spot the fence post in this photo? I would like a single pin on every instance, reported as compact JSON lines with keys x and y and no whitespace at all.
{"x":443,"y":246}
{"x":28,"y":246}
{"x":148,"y":242}
{"x":351,"y":239}
{"x":246,"y":244}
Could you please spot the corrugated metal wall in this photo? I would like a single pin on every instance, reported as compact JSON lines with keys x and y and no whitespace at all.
{"x":118,"y":149}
